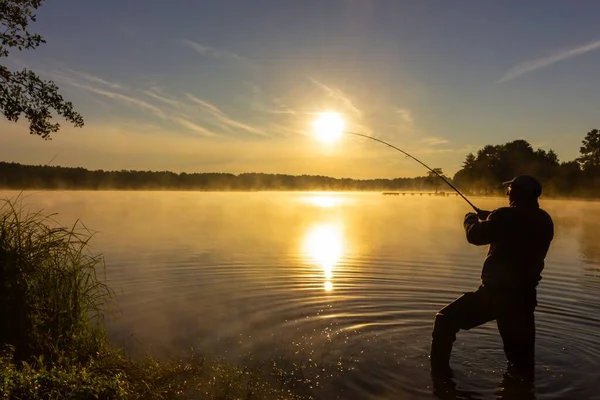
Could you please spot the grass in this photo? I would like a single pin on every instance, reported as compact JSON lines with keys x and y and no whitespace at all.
{"x":53,"y":343}
{"x":113,"y":375}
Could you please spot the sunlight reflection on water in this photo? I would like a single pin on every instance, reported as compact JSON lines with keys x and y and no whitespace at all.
{"x":324,"y":245}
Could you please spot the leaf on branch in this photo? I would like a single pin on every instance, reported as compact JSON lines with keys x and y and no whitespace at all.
{"x":15,"y":15}
{"x":23,"y":92}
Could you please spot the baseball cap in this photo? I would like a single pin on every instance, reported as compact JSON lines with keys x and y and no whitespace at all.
{"x":527,"y":183}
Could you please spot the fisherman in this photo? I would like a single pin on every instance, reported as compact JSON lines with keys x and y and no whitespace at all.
{"x":519,"y":237}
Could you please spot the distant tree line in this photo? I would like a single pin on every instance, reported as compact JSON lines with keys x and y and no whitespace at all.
{"x":18,"y":176}
{"x":480,"y":174}
{"x":493,"y":164}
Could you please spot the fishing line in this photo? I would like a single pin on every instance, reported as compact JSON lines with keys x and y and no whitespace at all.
{"x":420,"y":162}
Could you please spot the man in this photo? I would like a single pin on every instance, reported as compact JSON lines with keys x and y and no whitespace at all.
{"x":519,"y":237}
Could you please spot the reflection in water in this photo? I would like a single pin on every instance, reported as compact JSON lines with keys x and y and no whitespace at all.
{"x":324,"y":200}
{"x":323,"y":243}
{"x":512,"y":387}
{"x":590,"y":247}
{"x":590,"y":253}
{"x":445,"y":388}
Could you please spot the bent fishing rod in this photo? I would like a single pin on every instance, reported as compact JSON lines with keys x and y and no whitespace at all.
{"x":477,"y":210}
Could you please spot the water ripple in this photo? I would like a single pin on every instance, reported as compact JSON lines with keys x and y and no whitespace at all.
{"x":344,"y":290}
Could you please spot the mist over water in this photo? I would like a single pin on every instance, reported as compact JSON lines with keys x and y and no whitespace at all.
{"x":344,"y":284}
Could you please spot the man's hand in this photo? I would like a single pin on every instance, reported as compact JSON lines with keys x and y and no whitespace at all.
{"x":471,"y":218}
{"x":483,"y":214}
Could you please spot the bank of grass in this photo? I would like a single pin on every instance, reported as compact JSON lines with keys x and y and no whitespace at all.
{"x":53,"y":343}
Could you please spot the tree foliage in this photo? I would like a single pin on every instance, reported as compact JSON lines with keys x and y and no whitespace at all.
{"x":18,"y":176}
{"x":433,"y":177}
{"x":494,"y":164}
{"x":590,"y":153}
{"x":23,"y":92}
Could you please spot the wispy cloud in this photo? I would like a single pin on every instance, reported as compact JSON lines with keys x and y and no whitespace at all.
{"x":287,"y":130}
{"x":161,"y":97}
{"x":120,"y":97}
{"x":437,"y":150}
{"x":261,"y":101}
{"x":177,"y":118}
{"x":206,"y":105}
{"x":433,"y":140}
{"x":409,"y":127}
{"x":540,"y":63}
{"x":338,"y":95}
{"x":193,"y":126}
{"x":95,"y":79}
{"x":182,"y":110}
{"x":224,"y":118}
{"x":405,"y":115}
{"x":211,"y":51}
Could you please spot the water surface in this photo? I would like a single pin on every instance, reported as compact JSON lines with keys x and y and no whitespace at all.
{"x":345,"y":286}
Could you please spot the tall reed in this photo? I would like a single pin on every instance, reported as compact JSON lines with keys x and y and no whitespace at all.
{"x":51,"y":298}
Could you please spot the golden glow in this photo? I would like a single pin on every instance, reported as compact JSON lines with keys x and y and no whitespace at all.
{"x":329,"y":126}
{"x":324,"y":245}
{"x":324,"y":201}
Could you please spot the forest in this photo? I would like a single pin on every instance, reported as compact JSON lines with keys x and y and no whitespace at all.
{"x":493,"y":164}
{"x":18,"y":176}
{"x":481,"y":174}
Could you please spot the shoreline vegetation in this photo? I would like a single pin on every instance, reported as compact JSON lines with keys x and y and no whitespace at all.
{"x":53,"y":341}
{"x":480,"y":174}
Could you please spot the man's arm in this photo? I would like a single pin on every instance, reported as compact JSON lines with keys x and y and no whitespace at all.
{"x":481,"y":232}
{"x":483,"y":214}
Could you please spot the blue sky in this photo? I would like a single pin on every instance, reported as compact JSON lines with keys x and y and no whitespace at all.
{"x":234,"y":86}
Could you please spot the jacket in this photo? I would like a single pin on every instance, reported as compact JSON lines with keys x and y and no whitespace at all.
{"x":519,"y":238}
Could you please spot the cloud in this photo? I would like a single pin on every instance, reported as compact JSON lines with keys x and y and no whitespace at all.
{"x":431,"y":151}
{"x":405,"y":115}
{"x":433,"y":140}
{"x":287,"y":130}
{"x":408,"y":121}
{"x":144,"y":105}
{"x":211,"y":51}
{"x":223,"y":118}
{"x":193,"y":126}
{"x":338,"y":95}
{"x":540,"y":63}
{"x":161,"y":97}
{"x":120,"y":97}
{"x":212,"y":109}
{"x":96,"y":79}
{"x":262,"y":102}
{"x":179,"y":109}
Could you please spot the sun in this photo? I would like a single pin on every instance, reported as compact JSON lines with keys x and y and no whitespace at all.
{"x":329,"y":126}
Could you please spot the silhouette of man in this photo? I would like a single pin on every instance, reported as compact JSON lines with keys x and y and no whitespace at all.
{"x":519,"y":237}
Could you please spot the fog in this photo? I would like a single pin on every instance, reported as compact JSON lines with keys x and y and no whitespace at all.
{"x":349,"y":280}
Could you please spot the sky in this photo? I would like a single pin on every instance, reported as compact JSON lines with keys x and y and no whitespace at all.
{"x":234,"y":86}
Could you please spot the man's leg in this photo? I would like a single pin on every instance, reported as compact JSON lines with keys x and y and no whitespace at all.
{"x":468,"y":311}
{"x":518,"y":335}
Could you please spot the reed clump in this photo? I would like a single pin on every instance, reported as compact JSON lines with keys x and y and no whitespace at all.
{"x":53,"y":342}
{"x":51,"y":297}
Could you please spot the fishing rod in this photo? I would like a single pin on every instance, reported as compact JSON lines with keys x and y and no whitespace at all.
{"x":477,"y":210}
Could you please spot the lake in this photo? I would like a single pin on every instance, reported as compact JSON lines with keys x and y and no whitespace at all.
{"x":340,"y":286}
